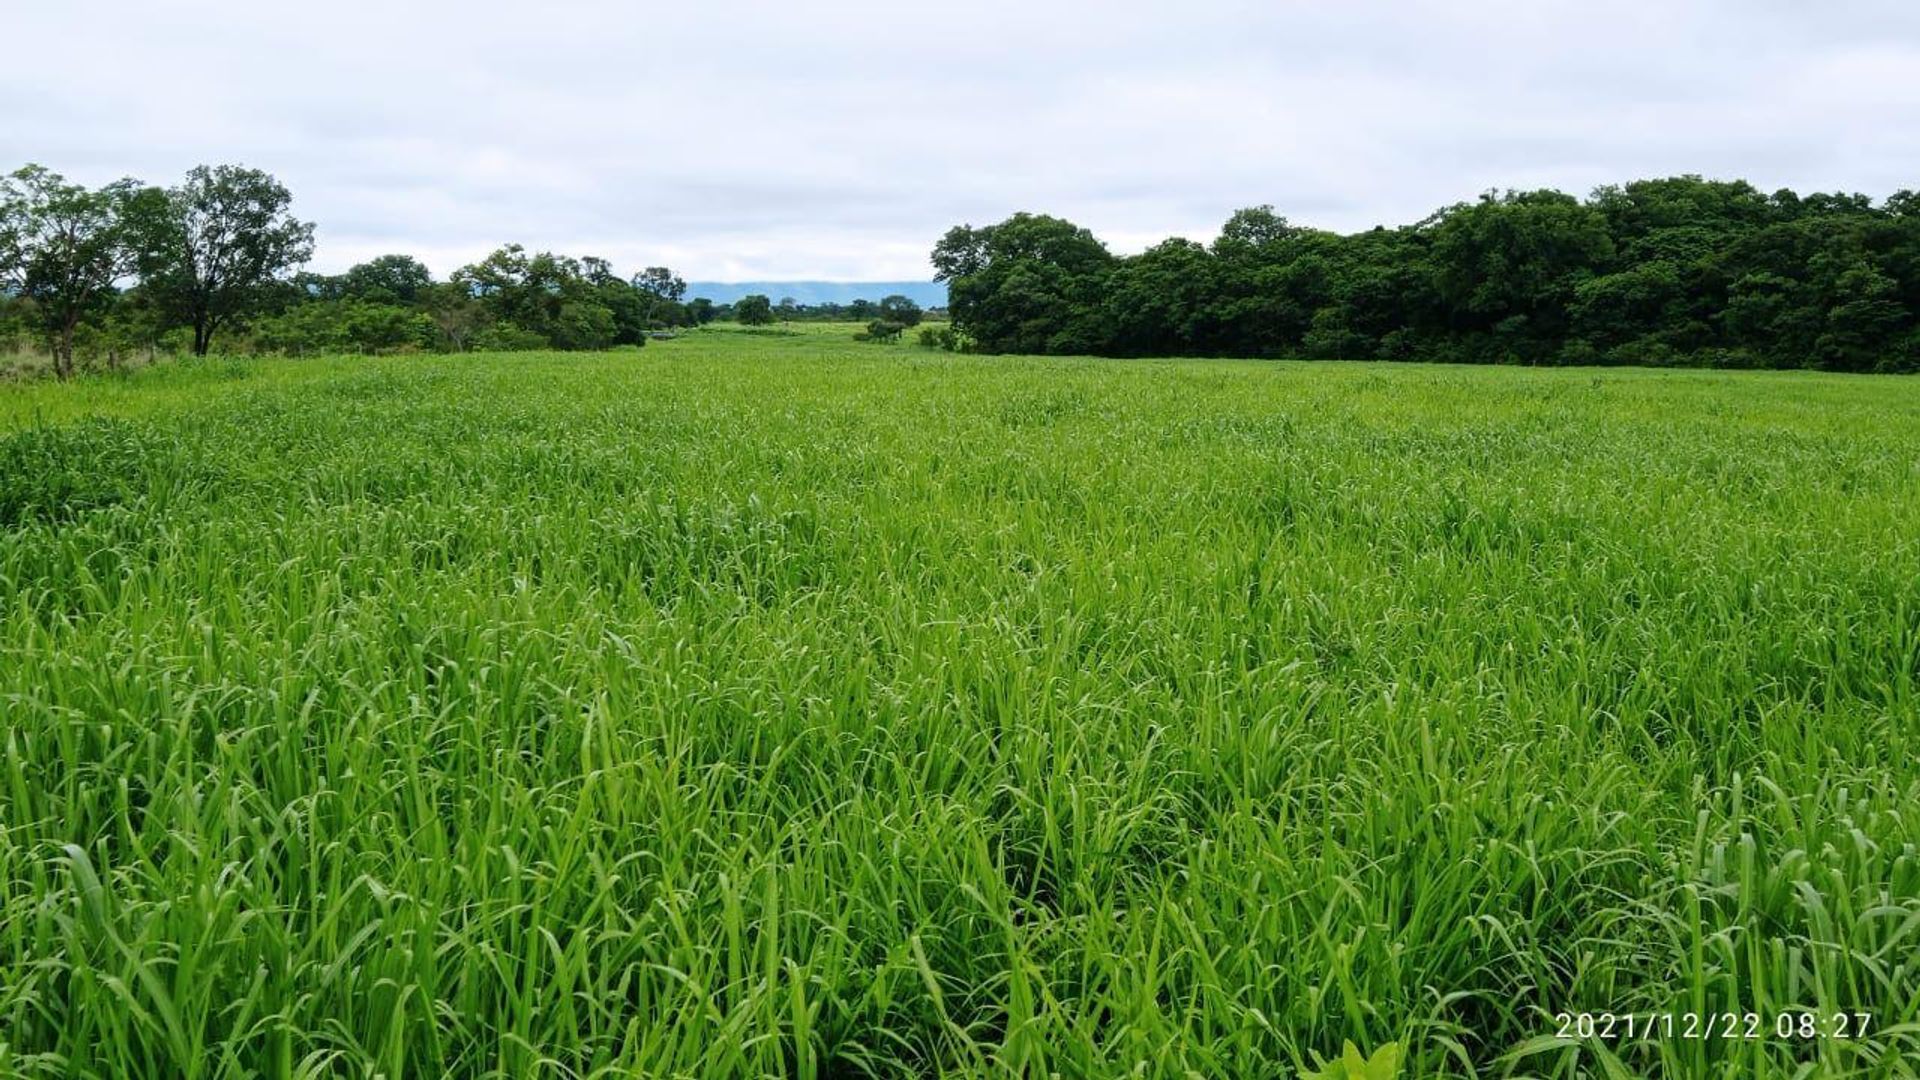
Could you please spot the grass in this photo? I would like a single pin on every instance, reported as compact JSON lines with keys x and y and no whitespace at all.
{"x":771,"y":705}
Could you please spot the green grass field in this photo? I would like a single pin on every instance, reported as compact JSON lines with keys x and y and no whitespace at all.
{"x":772,"y":705}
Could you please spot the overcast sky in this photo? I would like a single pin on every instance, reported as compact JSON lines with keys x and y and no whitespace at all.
{"x":838,"y":140}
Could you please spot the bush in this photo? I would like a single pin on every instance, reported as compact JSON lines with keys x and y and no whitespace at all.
{"x":882,"y":330}
{"x":506,"y":337}
{"x":944,"y":336}
{"x":344,"y":326}
{"x":583,"y":325}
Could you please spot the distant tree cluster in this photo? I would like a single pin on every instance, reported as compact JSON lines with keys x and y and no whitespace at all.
{"x":127,"y":268}
{"x":760,"y":310}
{"x":1681,"y":271}
{"x":510,"y":300}
{"x":897,"y":314}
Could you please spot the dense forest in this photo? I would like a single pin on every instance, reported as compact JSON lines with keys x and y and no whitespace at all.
{"x":1679,"y":271}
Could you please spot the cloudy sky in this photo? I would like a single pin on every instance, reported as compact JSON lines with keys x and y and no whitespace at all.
{"x":838,"y":140}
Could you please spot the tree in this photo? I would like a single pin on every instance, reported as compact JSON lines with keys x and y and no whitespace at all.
{"x":700,"y":311}
{"x":1507,"y":266}
{"x":62,"y":247}
{"x":455,"y":314}
{"x":560,"y":299}
{"x":506,"y":337}
{"x":1625,"y":310}
{"x":1161,"y":303}
{"x":1256,"y":229}
{"x":661,"y":282}
{"x":388,"y":279}
{"x":900,"y":309}
{"x":214,"y":247}
{"x":1031,"y":283}
{"x":882,"y":330}
{"x":753,"y":310}
{"x":583,"y":324}
{"x":658,"y":291}
{"x":1863,"y":319}
{"x":514,"y":287}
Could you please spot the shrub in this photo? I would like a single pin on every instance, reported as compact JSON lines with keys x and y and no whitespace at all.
{"x":506,"y":337}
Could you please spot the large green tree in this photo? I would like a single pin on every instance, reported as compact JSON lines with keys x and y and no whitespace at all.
{"x":387,"y":279}
{"x":1031,"y":283}
{"x":661,"y":291}
{"x":899,"y":308}
{"x":215,"y":248}
{"x":1163,"y":303}
{"x":560,"y":299}
{"x":1508,"y":266}
{"x":753,"y":310}
{"x":63,"y":247}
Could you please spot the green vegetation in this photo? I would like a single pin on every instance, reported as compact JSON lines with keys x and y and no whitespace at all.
{"x":1674,"y":272}
{"x":127,"y":269}
{"x":765,"y":704}
{"x":754,"y":310}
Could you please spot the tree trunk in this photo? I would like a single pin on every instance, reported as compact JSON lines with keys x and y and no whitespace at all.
{"x":63,"y":354}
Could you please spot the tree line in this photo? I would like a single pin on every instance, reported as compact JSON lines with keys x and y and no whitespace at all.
{"x":886,"y":318}
{"x":1673,"y":271}
{"x":1677,"y":271}
{"x":128,"y":268}
{"x":756,"y":309}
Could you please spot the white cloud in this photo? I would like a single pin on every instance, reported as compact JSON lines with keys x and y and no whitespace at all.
{"x":747,"y":140}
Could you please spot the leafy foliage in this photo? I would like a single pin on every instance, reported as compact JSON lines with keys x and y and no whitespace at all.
{"x":899,"y":309}
{"x":1383,"y":1064}
{"x":217,"y":256}
{"x":753,"y":310}
{"x":213,"y":249}
{"x":62,"y":248}
{"x":346,"y":326}
{"x":1673,"y":271}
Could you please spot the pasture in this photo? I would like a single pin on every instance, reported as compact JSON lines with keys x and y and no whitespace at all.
{"x":772,"y":705}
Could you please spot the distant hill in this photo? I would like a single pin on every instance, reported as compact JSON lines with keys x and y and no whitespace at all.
{"x":924,"y":293}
